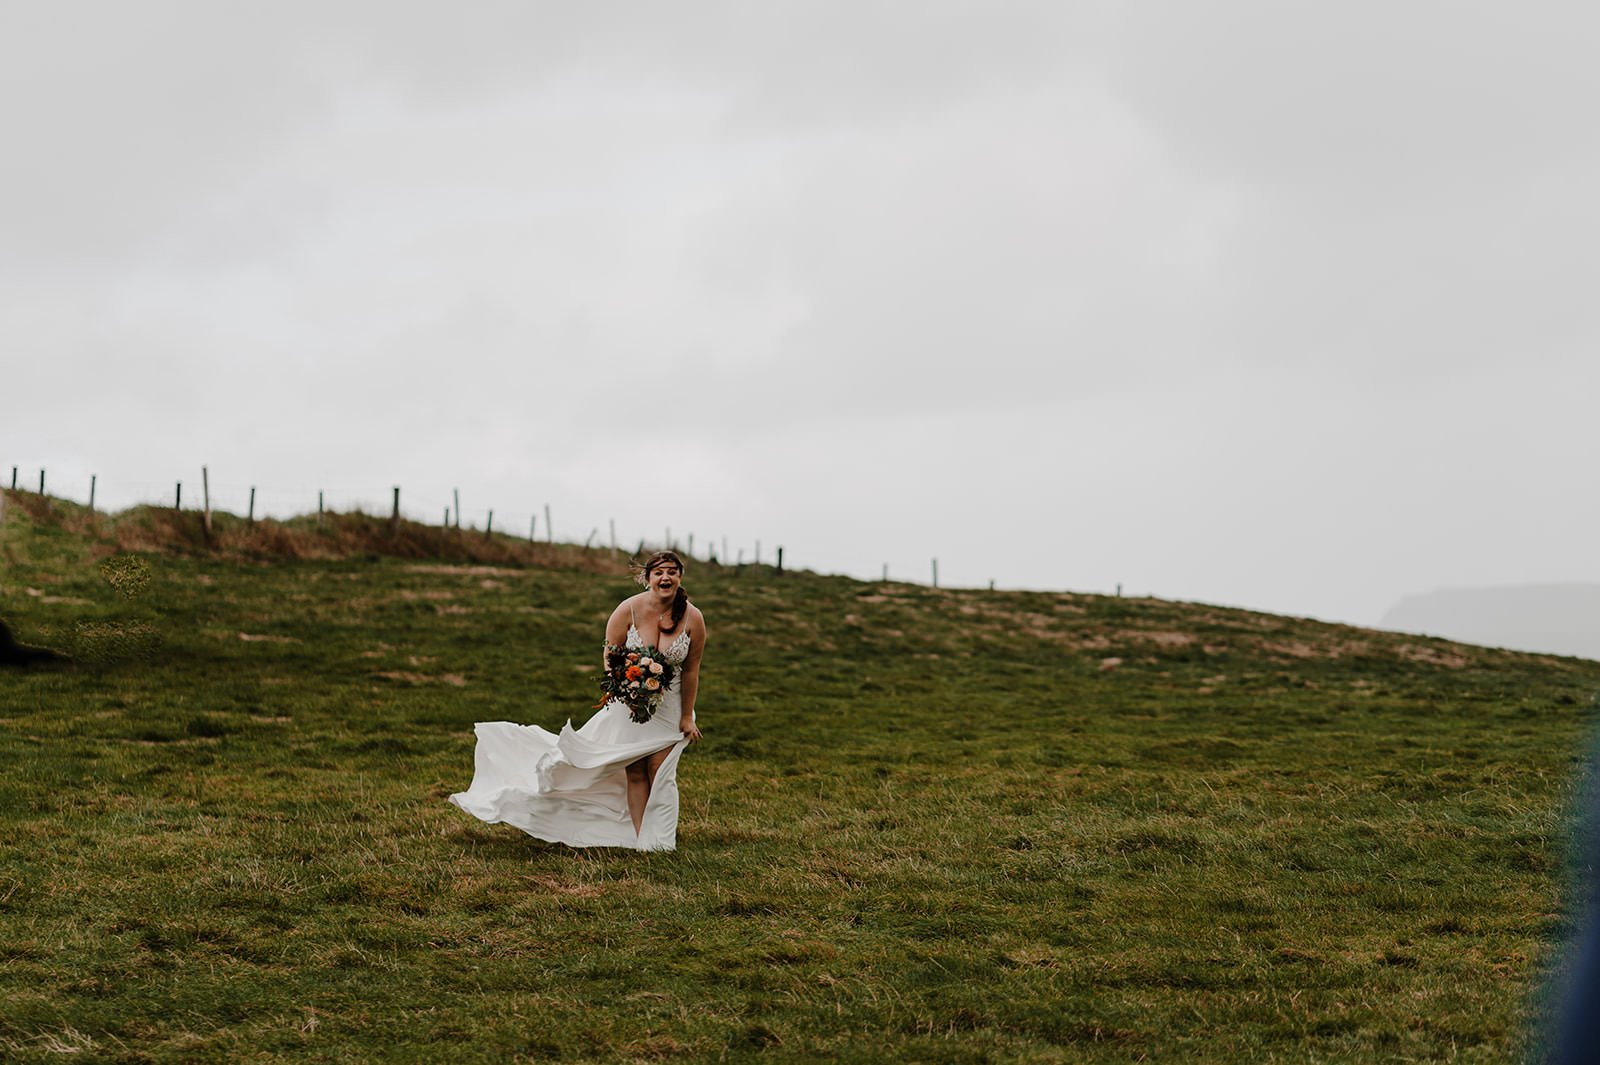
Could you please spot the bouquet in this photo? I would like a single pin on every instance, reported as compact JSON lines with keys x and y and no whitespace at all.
{"x":635,"y":678}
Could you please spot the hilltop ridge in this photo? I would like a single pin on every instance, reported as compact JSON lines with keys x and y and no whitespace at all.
{"x":330,"y":535}
{"x":1104,"y":633}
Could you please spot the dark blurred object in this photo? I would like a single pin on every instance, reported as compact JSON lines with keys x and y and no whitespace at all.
{"x":1575,"y":1034}
{"x":1577,"y":1039}
{"x":13,"y":653}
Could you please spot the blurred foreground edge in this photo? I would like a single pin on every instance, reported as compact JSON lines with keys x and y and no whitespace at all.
{"x":13,"y":653}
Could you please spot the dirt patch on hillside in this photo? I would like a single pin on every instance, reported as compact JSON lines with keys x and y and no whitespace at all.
{"x":1433,"y":656}
{"x":1239,"y":621}
{"x":1162,"y":639}
{"x":455,"y":680}
{"x":251,"y":637}
{"x":467,"y":571}
{"x":1300,"y":650}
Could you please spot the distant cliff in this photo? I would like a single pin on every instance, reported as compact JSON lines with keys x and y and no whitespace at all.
{"x":1554,"y":618}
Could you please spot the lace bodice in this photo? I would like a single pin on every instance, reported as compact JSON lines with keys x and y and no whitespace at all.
{"x":677,"y":651}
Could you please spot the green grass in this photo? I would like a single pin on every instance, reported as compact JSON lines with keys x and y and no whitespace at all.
{"x":944,"y":826}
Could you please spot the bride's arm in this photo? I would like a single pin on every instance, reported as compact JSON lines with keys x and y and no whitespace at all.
{"x":616,"y":629}
{"x":689,"y":685}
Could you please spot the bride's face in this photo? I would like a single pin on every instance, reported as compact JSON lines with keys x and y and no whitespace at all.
{"x":663,"y":579}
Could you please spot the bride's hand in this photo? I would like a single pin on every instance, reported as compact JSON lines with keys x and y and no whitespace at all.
{"x":686,"y":726}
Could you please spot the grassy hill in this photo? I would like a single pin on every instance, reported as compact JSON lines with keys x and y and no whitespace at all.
{"x":931,"y":825}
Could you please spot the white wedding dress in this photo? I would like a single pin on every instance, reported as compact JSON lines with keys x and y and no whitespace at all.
{"x":572,"y":788}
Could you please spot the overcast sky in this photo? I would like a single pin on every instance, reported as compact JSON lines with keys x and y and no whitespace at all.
{"x":1279,"y":304}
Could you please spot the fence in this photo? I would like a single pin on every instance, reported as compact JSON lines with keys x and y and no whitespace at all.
{"x":451,"y":518}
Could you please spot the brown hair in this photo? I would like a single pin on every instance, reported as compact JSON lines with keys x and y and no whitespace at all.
{"x":641,"y":573}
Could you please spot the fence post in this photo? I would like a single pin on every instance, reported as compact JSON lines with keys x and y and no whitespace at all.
{"x":549,"y":530}
{"x":177,"y":498}
{"x":205,"y":495}
{"x":758,"y":552}
{"x":886,"y":572}
{"x":394,"y":516}
{"x":252,"y":515}
{"x":457,"y":492}
{"x":780,"y":560}
{"x":936,"y":573}
{"x":41,"y":482}
{"x":533,"y":527}
{"x":13,"y":478}
{"x":319,"y":508}
{"x":592,"y":534}
{"x":92,"y":479}
{"x":488,"y":526}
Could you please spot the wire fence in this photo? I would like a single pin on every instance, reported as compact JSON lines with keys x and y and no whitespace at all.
{"x":269,"y":503}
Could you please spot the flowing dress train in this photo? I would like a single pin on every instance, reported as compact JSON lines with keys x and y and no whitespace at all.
{"x":572,"y":787}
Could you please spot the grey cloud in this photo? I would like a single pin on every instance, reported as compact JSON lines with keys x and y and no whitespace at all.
{"x":1357,"y":97}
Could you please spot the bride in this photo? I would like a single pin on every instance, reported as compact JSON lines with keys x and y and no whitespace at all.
{"x":613,"y":782}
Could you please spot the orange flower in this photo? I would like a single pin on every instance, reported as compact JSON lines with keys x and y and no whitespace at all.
{"x":633,"y":673}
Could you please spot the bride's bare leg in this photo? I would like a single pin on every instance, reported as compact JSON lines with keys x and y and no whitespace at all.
{"x":654,"y":763}
{"x":639,"y":779}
